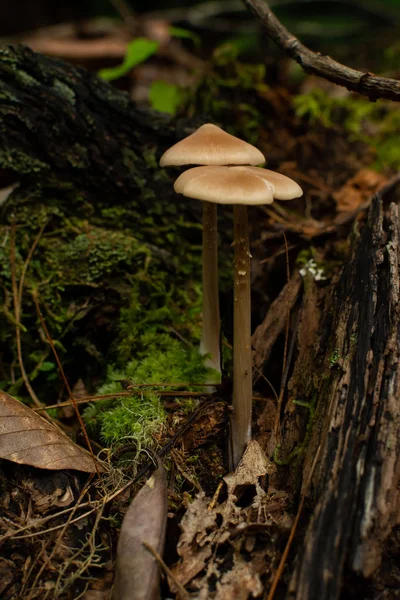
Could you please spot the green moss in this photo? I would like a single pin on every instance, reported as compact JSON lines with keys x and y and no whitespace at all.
{"x":79,"y":157}
{"x":20,"y":163}
{"x":230,"y":92}
{"x":107,"y":290}
{"x":140,"y":416}
{"x":375,"y":123}
{"x":64,"y":90}
{"x":334,"y":358}
{"x":25,"y":79}
{"x":299,"y":450}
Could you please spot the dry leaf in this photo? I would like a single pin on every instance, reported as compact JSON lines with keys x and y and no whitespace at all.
{"x":137,"y":571}
{"x":217,"y":542}
{"x":26,"y":438}
{"x":358,"y":189}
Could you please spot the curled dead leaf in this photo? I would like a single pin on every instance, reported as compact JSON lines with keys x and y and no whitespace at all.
{"x":137,"y":571}
{"x":26,"y":438}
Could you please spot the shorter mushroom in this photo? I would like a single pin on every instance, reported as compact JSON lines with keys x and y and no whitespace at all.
{"x":240,"y":186}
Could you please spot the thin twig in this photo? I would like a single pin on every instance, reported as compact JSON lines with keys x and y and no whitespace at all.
{"x":261,"y":374}
{"x":27,"y":262}
{"x":67,"y":386}
{"x":287,"y":307}
{"x":284,"y":364}
{"x":126,"y":13}
{"x":181,"y":590}
{"x":17,"y":315}
{"x":285,"y":376}
{"x":164,"y":450}
{"x":57,"y":542}
{"x":322,"y":65}
{"x":87,"y":399}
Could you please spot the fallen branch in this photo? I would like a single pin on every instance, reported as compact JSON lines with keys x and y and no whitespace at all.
{"x":322,"y":65}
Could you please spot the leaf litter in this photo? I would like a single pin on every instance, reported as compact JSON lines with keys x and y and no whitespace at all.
{"x":229,"y":550}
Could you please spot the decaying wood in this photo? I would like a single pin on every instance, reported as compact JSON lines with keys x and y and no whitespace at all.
{"x":354,"y":389}
{"x":61,"y":124}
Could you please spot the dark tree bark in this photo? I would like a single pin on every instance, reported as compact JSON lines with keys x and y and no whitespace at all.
{"x":357,"y":426}
{"x":60,"y":123}
{"x":339,"y":439}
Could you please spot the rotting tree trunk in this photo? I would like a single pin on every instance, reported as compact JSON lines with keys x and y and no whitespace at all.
{"x":342,"y":412}
{"x":348,"y":372}
{"x":356,"y":484}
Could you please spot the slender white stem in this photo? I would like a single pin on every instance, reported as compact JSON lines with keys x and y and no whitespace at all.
{"x":210,"y":338}
{"x":242,"y":359}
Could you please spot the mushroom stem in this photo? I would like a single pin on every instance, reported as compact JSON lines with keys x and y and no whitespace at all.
{"x":242,"y":359}
{"x":210,"y":337}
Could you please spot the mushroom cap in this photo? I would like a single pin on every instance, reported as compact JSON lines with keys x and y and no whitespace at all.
{"x":211,"y":145}
{"x":236,"y":185}
{"x":285,"y":188}
{"x":225,"y":185}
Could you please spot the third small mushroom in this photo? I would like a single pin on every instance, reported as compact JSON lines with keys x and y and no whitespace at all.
{"x":220,"y":183}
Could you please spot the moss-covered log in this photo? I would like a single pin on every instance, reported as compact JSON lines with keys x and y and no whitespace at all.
{"x":58,"y":122}
{"x":86,"y":163}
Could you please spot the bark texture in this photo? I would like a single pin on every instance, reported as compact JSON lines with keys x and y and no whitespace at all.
{"x":59,"y":123}
{"x":350,"y":376}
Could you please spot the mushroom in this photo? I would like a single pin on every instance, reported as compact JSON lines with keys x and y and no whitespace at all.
{"x":210,"y":145}
{"x":240,"y":186}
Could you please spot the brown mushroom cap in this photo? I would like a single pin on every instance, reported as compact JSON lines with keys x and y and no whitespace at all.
{"x":285,"y":188}
{"x":226,"y":185}
{"x":211,"y":145}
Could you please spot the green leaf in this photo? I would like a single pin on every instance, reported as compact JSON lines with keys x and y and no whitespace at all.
{"x":179,"y":32}
{"x":47,"y":366}
{"x":165,"y":97}
{"x":138,"y":51}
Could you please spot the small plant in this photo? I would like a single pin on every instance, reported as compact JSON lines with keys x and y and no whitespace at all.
{"x":334,"y":358}
{"x":163,"y":96}
{"x":375,"y":123}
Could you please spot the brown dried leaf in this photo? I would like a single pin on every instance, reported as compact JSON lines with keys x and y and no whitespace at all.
{"x":358,"y":189}
{"x":253,"y":465}
{"x":26,"y":438}
{"x":194,"y":546}
{"x":137,"y":571}
{"x":216,"y":540}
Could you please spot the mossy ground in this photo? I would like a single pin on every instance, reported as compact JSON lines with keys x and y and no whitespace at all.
{"x":119,"y":282}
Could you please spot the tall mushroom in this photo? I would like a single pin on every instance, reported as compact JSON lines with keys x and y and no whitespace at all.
{"x":210,"y":145}
{"x":240,"y":186}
